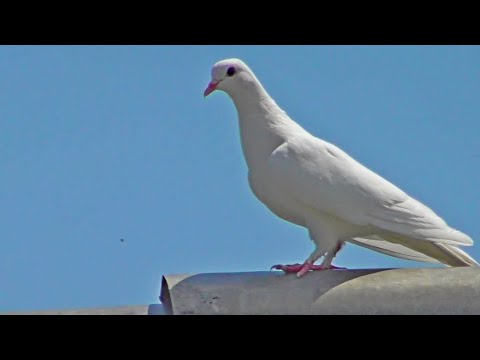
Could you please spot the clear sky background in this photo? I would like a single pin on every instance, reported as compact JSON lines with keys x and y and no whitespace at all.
{"x":103,"y":143}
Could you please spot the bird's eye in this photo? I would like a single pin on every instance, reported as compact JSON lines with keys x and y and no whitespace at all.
{"x":231,"y":71}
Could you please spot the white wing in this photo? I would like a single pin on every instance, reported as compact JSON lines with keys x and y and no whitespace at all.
{"x":323,"y":177}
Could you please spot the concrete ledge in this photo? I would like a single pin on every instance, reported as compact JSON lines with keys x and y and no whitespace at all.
{"x":154,"y":309}
{"x":368,"y":291}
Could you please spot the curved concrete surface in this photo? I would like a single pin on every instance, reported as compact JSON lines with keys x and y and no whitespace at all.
{"x":367,"y":291}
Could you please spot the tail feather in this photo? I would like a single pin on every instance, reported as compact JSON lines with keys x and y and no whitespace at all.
{"x":423,"y":251}
{"x":461,"y":257}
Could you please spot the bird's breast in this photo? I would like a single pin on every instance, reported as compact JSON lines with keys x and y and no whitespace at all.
{"x":275,"y":198}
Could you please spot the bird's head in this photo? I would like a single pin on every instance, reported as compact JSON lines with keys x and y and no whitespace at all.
{"x":229,"y":75}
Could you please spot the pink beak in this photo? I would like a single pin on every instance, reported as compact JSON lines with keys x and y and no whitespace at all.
{"x":210,"y":88}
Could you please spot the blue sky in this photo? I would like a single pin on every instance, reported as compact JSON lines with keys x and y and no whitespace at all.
{"x":102,"y":143}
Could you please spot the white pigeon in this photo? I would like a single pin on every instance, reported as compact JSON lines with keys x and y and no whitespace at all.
{"x":314,"y":184}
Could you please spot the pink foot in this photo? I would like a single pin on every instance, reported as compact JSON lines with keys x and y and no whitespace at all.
{"x":302,"y":269}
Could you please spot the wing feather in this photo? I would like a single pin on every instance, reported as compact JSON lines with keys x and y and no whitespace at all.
{"x":325,"y":178}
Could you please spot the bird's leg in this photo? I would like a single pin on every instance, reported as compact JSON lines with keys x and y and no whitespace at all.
{"x":308,"y":265}
{"x":327,"y":262}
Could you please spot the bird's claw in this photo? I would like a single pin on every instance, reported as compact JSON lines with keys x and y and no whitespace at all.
{"x":276,"y":267}
{"x":333,"y":267}
{"x":282,"y":267}
{"x":287,"y":268}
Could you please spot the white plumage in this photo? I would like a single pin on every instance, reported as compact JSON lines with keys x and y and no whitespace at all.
{"x":314,"y":184}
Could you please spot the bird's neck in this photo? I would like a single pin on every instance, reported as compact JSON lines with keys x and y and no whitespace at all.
{"x":263,"y":125}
